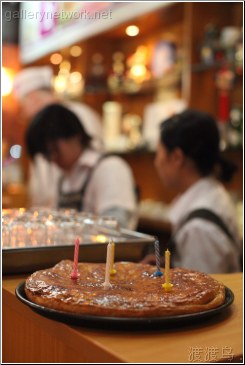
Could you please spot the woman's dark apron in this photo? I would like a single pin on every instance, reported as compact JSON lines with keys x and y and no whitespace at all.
{"x":75,"y":200}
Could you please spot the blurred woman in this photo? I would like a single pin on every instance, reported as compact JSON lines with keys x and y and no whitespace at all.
{"x":33,"y":88}
{"x":205,"y":232}
{"x":91,"y":181}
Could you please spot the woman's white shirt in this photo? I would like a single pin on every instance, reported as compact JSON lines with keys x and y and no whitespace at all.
{"x":200,"y":244}
{"x":111,"y":184}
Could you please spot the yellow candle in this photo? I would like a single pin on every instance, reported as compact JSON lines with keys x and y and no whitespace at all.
{"x":167,"y":285}
{"x":167,"y":265}
{"x":112,"y":269}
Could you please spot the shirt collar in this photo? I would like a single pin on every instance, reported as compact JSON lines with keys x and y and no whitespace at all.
{"x":87,"y":159}
{"x":190,"y":199}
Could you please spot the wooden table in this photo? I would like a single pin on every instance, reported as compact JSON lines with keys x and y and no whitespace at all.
{"x":30,"y":337}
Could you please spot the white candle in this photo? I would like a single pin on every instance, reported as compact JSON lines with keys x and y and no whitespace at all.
{"x":108,"y":265}
{"x":112,"y":269}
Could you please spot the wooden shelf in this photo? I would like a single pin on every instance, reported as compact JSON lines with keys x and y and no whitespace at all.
{"x":202,"y":67}
{"x":146,"y":87}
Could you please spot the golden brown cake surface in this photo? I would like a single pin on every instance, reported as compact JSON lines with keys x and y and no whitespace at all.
{"x":134,"y":291}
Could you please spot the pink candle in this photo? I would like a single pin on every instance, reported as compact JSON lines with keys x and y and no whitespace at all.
{"x":74,"y":274}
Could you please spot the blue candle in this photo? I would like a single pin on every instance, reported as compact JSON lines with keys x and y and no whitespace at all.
{"x":158,"y":272}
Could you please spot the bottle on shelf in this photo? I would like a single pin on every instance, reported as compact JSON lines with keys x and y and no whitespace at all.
{"x":229,"y":38}
{"x":115,"y":80}
{"x":224,"y":83}
{"x":96,"y":80}
{"x":112,"y":117}
{"x":210,"y":44}
{"x":235,"y":127}
{"x":239,"y":55}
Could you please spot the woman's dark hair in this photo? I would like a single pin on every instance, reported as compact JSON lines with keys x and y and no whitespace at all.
{"x":197,"y":135}
{"x":50,"y":124}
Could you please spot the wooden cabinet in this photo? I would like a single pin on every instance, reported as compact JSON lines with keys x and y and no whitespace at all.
{"x":181,"y":23}
{"x":184,"y":24}
{"x":165,"y":24}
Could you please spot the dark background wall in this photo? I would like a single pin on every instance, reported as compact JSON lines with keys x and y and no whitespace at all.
{"x":10,"y":27}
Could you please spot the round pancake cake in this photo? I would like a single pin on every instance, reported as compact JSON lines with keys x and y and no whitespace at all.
{"x":134,"y":291}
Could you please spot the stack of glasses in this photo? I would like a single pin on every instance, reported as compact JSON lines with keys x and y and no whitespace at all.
{"x":44,"y":227}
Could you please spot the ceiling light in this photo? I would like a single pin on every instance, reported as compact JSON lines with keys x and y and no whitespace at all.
{"x":7,"y":81}
{"x":75,"y":51}
{"x":56,"y":58}
{"x":132,"y":30}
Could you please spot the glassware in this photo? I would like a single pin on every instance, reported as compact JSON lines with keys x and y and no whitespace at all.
{"x":18,"y":233}
{"x":35,"y":233}
{"x":88,"y":226}
{"x":5,"y":236}
{"x":39,"y":227}
{"x":108,"y":226}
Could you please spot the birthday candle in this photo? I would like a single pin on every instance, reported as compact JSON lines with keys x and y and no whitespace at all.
{"x":108,"y":266}
{"x":74,"y":274}
{"x":167,"y":285}
{"x":112,"y":269}
{"x":158,"y":259}
{"x":167,"y":265}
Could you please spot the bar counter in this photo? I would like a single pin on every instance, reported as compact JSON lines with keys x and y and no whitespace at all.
{"x":30,"y":337}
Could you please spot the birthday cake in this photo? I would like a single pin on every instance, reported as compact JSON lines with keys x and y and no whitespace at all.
{"x":133,"y":292}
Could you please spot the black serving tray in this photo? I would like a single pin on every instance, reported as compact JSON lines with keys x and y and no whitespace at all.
{"x":120,"y":323}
